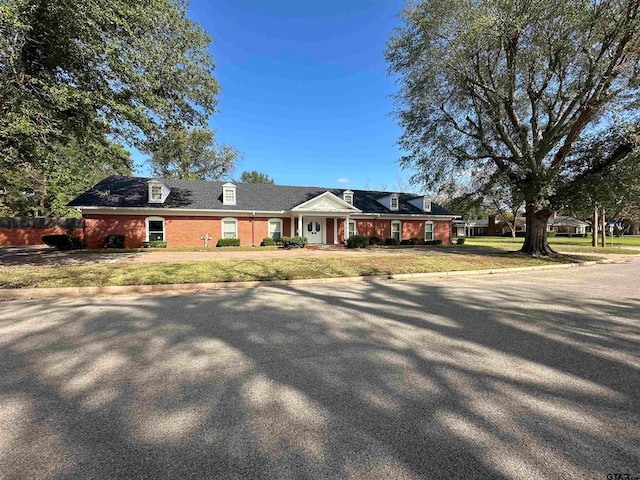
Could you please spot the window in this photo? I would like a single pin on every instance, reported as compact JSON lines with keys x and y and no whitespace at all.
{"x":228,"y":194}
{"x":156,"y":192}
{"x":348,"y":197}
{"x":275,"y":228}
{"x":396,"y":229}
{"x":426,"y":205}
{"x":155,"y":229}
{"x":480,"y":231}
{"x":428,"y":231}
{"x":229,"y":228}
{"x":393,"y":203}
{"x":352,"y":228}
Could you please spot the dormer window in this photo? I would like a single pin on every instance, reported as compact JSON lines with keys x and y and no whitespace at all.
{"x":393,"y":202}
{"x":228,"y":194}
{"x":426,"y":206}
{"x":158,"y":191}
{"x":347,"y":196}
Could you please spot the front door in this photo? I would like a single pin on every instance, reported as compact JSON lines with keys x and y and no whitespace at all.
{"x":314,"y":230}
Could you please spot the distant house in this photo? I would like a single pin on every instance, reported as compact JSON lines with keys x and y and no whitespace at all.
{"x":561,"y":224}
{"x":182,"y":212}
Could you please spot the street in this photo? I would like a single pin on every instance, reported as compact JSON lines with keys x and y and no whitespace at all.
{"x":527,"y":375}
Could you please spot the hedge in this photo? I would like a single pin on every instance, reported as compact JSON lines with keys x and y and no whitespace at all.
{"x":358,"y":241}
{"x":63,"y":242}
{"x":115,"y":240}
{"x":155,"y":244}
{"x":294,"y":242}
{"x":228,"y":242}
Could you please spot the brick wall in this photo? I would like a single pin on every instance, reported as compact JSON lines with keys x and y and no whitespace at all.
{"x":185,"y":231}
{"x":30,"y":236}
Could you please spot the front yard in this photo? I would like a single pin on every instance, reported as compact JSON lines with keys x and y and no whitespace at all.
{"x":121,"y":273}
{"x":628,"y":245}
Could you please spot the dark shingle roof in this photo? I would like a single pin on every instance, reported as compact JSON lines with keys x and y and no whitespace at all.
{"x":123,"y":192}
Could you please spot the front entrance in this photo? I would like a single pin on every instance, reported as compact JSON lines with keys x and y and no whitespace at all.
{"x":314,"y":229}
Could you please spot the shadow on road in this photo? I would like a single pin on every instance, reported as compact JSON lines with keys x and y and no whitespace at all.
{"x":369,"y":381}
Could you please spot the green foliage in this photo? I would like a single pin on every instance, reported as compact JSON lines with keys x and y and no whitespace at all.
{"x":114,"y":241}
{"x":80,"y":80}
{"x":358,"y":241}
{"x":228,"y":242}
{"x":432,"y":242}
{"x":373,"y":240}
{"x":493,"y":91}
{"x":155,"y":244}
{"x":460,"y":241}
{"x":255,"y":177}
{"x":63,"y":242}
{"x":294,"y":242}
{"x":267,"y":241}
{"x":192,"y":154}
{"x":391,"y":241}
{"x":552,"y":233}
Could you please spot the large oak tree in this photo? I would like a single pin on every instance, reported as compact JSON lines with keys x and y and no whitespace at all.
{"x":508,"y":87}
{"x":80,"y":80}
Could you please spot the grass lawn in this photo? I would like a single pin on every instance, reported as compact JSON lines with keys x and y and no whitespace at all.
{"x":561,"y":244}
{"x":264,"y":269}
{"x":213,"y":249}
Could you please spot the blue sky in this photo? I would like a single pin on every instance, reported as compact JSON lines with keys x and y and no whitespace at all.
{"x":305,"y":90}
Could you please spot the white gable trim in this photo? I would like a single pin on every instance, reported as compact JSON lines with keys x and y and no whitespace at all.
{"x":326,"y":202}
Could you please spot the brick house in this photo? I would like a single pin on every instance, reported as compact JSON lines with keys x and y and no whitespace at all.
{"x":182,"y":212}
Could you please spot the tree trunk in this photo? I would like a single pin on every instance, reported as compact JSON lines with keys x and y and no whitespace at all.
{"x":604,"y":229}
{"x":594,"y":228}
{"x":535,"y":240}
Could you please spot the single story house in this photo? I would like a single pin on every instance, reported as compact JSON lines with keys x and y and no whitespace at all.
{"x":561,"y":224}
{"x":183,"y":213}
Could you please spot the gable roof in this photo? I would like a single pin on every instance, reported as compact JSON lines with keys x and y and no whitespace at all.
{"x":132,"y":192}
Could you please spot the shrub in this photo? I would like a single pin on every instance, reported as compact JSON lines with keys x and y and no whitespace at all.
{"x":433,"y":242}
{"x":294,"y":242}
{"x":460,"y":241}
{"x":154,"y":244}
{"x":391,"y":241}
{"x":267,"y":241}
{"x":407,"y":241}
{"x":358,"y":241}
{"x":63,"y":242}
{"x":114,"y":240}
{"x":552,"y":233}
{"x":373,"y":240}
{"x":228,"y":242}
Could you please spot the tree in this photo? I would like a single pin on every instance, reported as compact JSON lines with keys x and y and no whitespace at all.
{"x":509,"y":87}
{"x":255,"y":177}
{"x":93,"y":77}
{"x":192,"y":155}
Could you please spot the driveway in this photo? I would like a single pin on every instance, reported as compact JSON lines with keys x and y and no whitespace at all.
{"x":503,"y":376}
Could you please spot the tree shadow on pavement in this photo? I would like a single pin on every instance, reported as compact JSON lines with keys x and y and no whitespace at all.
{"x":396,"y":380}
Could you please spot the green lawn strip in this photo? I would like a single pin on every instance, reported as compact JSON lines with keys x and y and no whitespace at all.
{"x":251,"y":270}
{"x":579,"y":245}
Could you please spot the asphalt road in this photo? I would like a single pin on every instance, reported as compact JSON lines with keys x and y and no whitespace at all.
{"x":502,"y":376}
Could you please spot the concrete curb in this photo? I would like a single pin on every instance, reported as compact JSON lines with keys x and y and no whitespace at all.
{"x":31,"y":293}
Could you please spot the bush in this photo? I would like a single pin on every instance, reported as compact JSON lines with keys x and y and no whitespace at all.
{"x":433,"y":242}
{"x":228,"y":242}
{"x":267,"y":242}
{"x":114,"y":240}
{"x":373,"y":240}
{"x":460,"y":241}
{"x":552,"y":233}
{"x":358,"y":241}
{"x":155,"y":244}
{"x":63,"y":242}
{"x":406,"y":241}
{"x":391,"y":241}
{"x":294,"y":242}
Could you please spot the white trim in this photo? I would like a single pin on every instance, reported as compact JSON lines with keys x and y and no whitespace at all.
{"x":155,"y":219}
{"x":228,"y":219}
{"x":433,"y":231}
{"x":355,"y":227}
{"x":392,"y":197}
{"x":347,"y":208}
{"x":229,"y":187}
{"x":347,"y":193}
{"x":322,"y":221}
{"x":281,"y":226}
{"x":400,"y":229}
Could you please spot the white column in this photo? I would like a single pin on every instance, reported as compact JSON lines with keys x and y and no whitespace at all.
{"x":293,"y":227}
{"x":335,"y":231}
{"x":300,"y":225}
{"x":346,"y":228}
